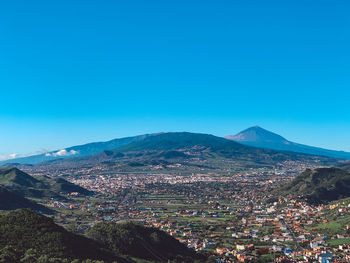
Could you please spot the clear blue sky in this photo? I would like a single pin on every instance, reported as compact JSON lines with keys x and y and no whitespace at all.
{"x":72,"y":72}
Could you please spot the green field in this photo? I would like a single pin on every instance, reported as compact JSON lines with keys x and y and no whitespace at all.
{"x":334,"y":227}
{"x":337,"y":242}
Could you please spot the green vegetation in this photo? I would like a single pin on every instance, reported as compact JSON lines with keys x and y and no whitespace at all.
{"x":337,"y":242}
{"x":267,"y":258}
{"x":337,"y":226}
{"x":12,"y":201}
{"x":37,"y":187}
{"x":320,"y":185}
{"x":25,"y":234}
{"x":14,"y":176}
{"x":60,"y":185}
{"x":141,"y":242}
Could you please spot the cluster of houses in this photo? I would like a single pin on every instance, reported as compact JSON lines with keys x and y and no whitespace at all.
{"x":242,"y":225}
{"x":286,"y":229}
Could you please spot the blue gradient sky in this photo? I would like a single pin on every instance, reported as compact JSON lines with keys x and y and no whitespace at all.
{"x":72,"y":72}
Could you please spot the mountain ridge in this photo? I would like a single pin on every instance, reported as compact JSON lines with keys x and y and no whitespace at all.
{"x":256,"y":133}
{"x":24,"y":229}
{"x":12,"y":201}
{"x":194,"y":152}
{"x":74,"y":151}
{"x":178,"y":140}
{"x":254,"y":137}
{"x":320,"y":185}
{"x":24,"y":232}
{"x":261,"y":138}
{"x":25,"y":185}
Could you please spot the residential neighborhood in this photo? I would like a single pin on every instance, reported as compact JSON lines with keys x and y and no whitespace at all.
{"x":232,"y":219}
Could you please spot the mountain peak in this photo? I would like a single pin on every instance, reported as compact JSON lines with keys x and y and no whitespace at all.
{"x":10,"y":176}
{"x":261,"y":138}
{"x":257,"y":134}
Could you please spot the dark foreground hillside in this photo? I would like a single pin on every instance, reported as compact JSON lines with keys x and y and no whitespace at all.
{"x":26,"y":236}
{"x":320,"y":185}
{"x":140,"y":242}
{"x":12,"y":201}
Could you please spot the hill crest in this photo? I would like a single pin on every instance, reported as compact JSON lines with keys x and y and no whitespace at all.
{"x":25,"y":185}
{"x":179,"y":140}
{"x":256,"y":134}
{"x":320,"y":185}
{"x":261,"y":138}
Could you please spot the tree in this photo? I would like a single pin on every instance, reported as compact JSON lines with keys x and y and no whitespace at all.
{"x":43,"y":259}
{"x":30,"y":256}
{"x":8,"y":255}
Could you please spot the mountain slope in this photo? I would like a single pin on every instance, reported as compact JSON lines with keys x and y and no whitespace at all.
{"x":188,"y":153}
{"x":345,"y":166}
{"x":75,"y":151}
{"x":26,"y":185}
{"x":26,"y":234}
{"x":12,"y":201}
{"x":24,"y":229}
{"x":14,"y":176}
{"x":320,"y":185}
{"x":208,"y":145}
{"x":259,"y":137}
{"x":180,"y":140}
{"x":60,"y":185}
{"x":181,"y":153}
{"x":141,"y":242}
{"x":257,"y":134}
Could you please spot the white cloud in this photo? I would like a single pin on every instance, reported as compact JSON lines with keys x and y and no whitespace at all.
{"x":62,"y":153}
{"x":8,"y":157}
{"x":13,"y":155}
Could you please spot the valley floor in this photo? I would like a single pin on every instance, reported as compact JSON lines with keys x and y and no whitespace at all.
{"x":230,"y":219}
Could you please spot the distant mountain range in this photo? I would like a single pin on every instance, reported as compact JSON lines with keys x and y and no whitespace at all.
{"x":76,"y":151}
{"x":321,"y":185}
{"x":261,"y":138}
{"x":181,"y":153}
{"x":255,"y":136}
